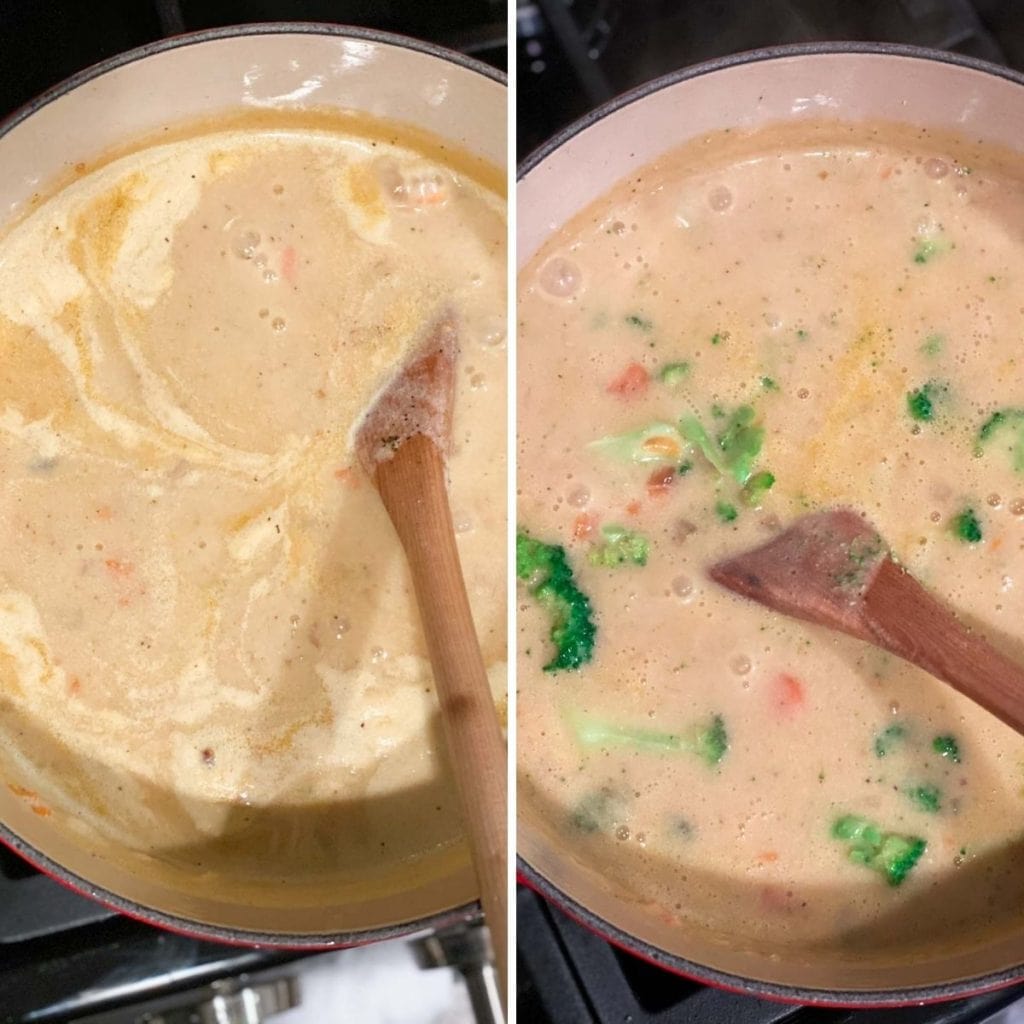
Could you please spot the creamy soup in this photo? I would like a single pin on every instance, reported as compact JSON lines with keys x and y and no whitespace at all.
{"x":749,"y":329}
{"x":209,"y":646}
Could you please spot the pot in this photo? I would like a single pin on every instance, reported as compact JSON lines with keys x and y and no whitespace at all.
{"x":849,"y":83}
{"x":131,"y":97}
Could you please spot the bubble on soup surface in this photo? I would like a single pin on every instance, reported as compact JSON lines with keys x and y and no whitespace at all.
{"x":579,"y":497}
{"x":740,"y":664}
{"x":560,"y":277}
{"x":493,"y":333}
{"x":936,"y":168}
{"x":245,"y":243}
{"x":720,"y":199}
{"x":682,"y":587}
{"x":278,"y":323}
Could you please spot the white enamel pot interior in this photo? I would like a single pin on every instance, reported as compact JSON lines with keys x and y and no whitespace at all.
{"x":849,"y":83}
{"x":134,"y":96}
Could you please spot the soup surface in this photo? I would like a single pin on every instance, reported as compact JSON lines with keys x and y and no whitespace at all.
{"x":752,"y":328}
{"x":209,"y":647}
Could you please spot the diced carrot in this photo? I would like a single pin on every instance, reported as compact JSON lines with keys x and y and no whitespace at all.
{"x":787,"y":691}
{"x":118,"y":568}
{"x":632,"y":381}
{"x":289,"y":264}
{"x":349,"y":476}
{"x":996,"y":543}
{"x":17,"y":790}
{"x":104,"y":512}
{"x":659,"y":482}
{"x":767,"y":857}
{"x":43,"y":812}
{"x":75,"y":686}
{"x":584,"y":526}
{"x":633,"y":508}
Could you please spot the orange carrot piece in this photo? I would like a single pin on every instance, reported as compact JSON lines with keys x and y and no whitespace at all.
{"x":660,"y":481}
{"x":767,"y":857}
{"x":43,"y":812}
{"x":349,"y":476}
{"x":788,"y":691}
{"x":289,"y":264}
{"x":632,"y":381}
{"x":118,"y":568}
{"x":633,"y":508}
{"x":584,"y":526}
{"x":104,"y":512}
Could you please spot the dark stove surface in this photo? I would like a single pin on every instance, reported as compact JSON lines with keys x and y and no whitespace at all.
{"x":569,"y":975}
{"x":62,"y":956}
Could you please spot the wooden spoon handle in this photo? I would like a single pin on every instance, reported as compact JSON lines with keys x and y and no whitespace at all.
{"x":905,"y":619}
{"x":412,"y":487}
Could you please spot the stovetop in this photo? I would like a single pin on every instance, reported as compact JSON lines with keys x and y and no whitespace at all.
{"x":569,"y":975}
{"x":63,"y":957}
{"x":574,"y":55}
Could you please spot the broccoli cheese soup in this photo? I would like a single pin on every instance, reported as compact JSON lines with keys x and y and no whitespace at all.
{"x":209,"y":646}
{"x":754,"y":327}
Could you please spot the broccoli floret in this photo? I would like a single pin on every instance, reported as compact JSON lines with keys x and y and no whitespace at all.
{"x":947,"y":746}
{"x":932,"y":345}
{"x":966,"y":526}
{"x":996,"y":423}
{"x":757,"y":486}
{"x":595,"y":812}
{"x":890,"y":854}
{"x":889,"y":738}
{"x":655,"y":442}
{"x":641,"y":323}
{"x":927,"y":797}
{"x":734,"y":451}
{"x":547,"y":571}
{"x":673,"y":374}
{"x":725,"y":511}
{"x":713,"y":742}
{"x":621,"y":546}
{"x":710,"y":742}
{"x":768,"y":384}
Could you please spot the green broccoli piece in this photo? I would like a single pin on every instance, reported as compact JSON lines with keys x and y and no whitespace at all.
{"x":927,"y":797}
{"x":620,"y":546}
{"x":932,"y":345}
{"x":734,"y":451}
{"x":947,"y":746}
{"x":641,"y":323}
{"x":995,"y":424}
{"x":710,"y":742}
{"x":596,"y":812}
{"x":890,"y":854}
{"x":966,"y":526}
{"x":768,"y":384}
{"x":673,"y":374}
{"x":725,"y":511}
{"x":655,"y":442}
{"x":713,"y":742}
{"x":889,"y":738}
{"x":549,"y":576}
{"x":757,"y":486}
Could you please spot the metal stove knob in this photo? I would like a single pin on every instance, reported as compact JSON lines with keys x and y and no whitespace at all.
{"x":251,"y":1004}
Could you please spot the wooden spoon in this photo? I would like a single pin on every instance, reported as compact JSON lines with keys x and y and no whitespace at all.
{"x":834,"y":569}
{"x":402,"y":444}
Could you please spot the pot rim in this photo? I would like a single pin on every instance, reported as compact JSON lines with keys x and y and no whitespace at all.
{"x":841,"y":998}
{"x":782,"y":51}
{"x":10,"y":839}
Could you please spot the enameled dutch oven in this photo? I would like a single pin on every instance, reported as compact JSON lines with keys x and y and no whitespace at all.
{"x":133,"y":96}
{"x":850,"y":83}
